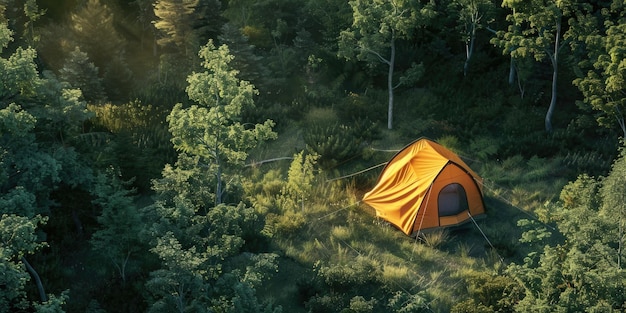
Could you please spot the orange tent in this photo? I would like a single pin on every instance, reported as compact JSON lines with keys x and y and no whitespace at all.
{"x":426,"y":186}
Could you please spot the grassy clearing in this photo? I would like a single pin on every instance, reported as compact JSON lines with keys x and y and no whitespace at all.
{"x":338,"y":239}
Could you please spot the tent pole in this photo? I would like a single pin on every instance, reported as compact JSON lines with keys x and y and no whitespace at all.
{"x":421,"y":221}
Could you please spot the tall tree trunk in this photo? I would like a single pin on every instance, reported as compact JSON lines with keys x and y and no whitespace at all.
{"x":392,"y":60}
{"x":512,"y":71}
{"x":548,"y":120}
{"x":555,"y":65}
{"x":469,"y":49}
{"x":620,"y":242}
{"x":218,"y":188}
{"x":33,"y":273}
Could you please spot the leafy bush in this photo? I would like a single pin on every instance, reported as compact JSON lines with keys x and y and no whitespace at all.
{"x":359,"y":272}
{"x":403,"y":302}
{"x":286,"y":224}
{"x":327,"y":303}
{"x":489,"y":293}
{"x":358,"y":304}
{"x":470,"y":306}
{"x":335,"y":143}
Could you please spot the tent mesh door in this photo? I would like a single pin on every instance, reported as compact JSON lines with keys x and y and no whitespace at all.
{"x":452,"y":200}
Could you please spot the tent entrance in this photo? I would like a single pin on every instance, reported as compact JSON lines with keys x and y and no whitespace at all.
{"x":452,"y":200}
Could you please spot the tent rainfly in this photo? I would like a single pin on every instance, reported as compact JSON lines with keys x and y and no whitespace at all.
{"x":426,"y":186}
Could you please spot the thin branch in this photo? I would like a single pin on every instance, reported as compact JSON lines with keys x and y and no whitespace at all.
{"x":380,"y":57}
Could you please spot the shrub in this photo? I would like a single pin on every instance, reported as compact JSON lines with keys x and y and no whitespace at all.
{"x":360,"y":272}
{"x":489,"y":293}
{"x":286,"y":224}
{"x":327,"y":303}
{"x":358,"y":304}
{"x":403,"y":302}
{"x":470,"y":306}
{"x":337,"y":143}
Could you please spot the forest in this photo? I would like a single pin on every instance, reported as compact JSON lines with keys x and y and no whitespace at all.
{"x":211,"y":155}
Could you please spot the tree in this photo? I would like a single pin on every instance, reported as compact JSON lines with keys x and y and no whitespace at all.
{"x":537,"y":31}
{"x":377,"y":26}
{"x":208,"y":19}
{"x":245,"y":61}
{"x":82,"y":74}
{"x":118,"y":239}
{"x":27,"y":175}
{"x":472,"y":15}
{"x":212,"y":129}
{"x":300,"y":180}
{"x":21,"y":17}
{"x":175,"y":23}
{"x":175,"y":35}
{"x":200,"y":245}
{"x":604,"y":82}
{"x":93,"y":26}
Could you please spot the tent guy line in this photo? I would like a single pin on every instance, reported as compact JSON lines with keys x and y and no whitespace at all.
{"x":485,"y":236}
{"x":357,"y":173}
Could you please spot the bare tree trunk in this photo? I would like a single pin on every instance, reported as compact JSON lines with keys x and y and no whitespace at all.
{"x":620,"y":243}
{"x":550,"y":112}
{"x":392,"y":60}
{"x":33,"y":273}
{"x":218,"y":188}
{"x":555,"y":65}
{"x":512,"y":71}
{"x":469,"y":49}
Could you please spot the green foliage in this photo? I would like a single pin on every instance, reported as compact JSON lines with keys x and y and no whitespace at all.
{"x":54,"y":304}
{"x":140,"y":146}
{"x":300,"y":180}
{"x":94,"y":29}
{"x":360,"y":272}
{"x":118,"y":238}
{"x":19,"y":74}
{"x":335,"y":143}
{"x":535,"y":233}
{"x":613,"y":209}
{"x":603,"y":39}
{"x":82,"y":74}
{"x":489,"y":293}
{"x":435,"y":238}
{"x":203,"y":265}
{"x":470,"y":306}
{"x":358,"y":304}
{"x":18,"y":238}
{"x":174,"y":21}
{"x":403,"y":302}
{"x":212,"y":129}
{"x":584,"y":271}
{"x":5,"y":35}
